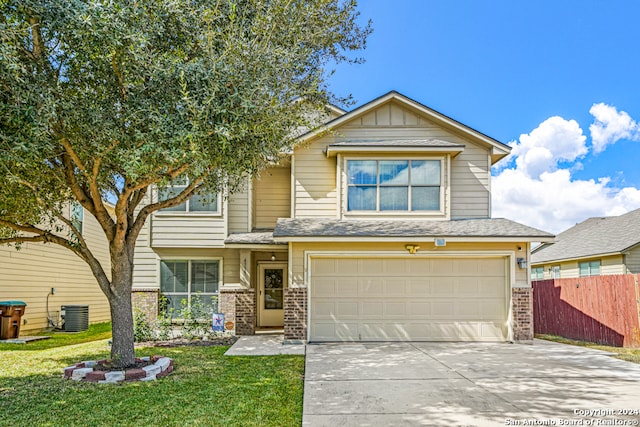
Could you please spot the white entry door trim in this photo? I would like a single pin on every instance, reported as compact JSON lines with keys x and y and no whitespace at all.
{"x":270,"y":294}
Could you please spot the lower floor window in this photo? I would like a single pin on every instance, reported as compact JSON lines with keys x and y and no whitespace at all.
{"x":190,"y":283}
{"x":589,"y":268}
{"x":537,"y":273}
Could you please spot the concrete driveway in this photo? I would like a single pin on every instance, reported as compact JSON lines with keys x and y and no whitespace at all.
{"x":392,"y":384}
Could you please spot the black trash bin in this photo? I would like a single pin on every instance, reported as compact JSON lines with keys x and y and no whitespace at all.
{"x":11,"y":313}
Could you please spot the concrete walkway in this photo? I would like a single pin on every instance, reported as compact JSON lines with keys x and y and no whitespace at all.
{"x":475,"y":384}
{"x":263,"y":345}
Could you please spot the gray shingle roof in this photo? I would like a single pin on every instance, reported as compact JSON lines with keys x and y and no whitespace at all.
{"x":592,"y":237}
{"x":490,"y":227}
{"x":254,"y":238}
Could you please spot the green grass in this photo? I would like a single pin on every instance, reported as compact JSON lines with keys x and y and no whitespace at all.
{"x":206,"y":388}
{"x":97,"y":331}
{"x":628,"y":354}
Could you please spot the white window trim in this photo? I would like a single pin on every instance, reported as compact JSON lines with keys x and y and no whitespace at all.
{"x":343,"y":203}
{"x":81,"y":228}
{"x":216,"y":213}
{"x":189,"y":259}
{"x":589,"y":267}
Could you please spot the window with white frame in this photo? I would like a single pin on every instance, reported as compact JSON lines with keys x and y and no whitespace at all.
{"x":589,"y":268}
{"x":189,"y":279}
{"x":555,"y":271}
{"x":206,"y":202}
{"x":537,"y":273}
{"x":77,"y":216}
{"x":393,"y":185}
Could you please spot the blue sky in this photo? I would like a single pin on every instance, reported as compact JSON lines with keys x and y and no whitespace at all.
{"x":559,"y":81}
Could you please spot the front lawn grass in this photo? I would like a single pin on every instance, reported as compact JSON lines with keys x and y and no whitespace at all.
{"x":206,"y":389}
{"x":628,"y":354}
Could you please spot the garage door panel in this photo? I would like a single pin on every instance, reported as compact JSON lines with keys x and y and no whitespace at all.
{"x":325,"y":287}
{"x":371,"y":287}
{"x":428,"y":299}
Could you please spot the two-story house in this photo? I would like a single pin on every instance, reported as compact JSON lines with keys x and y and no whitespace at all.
{"x":377,"y":227}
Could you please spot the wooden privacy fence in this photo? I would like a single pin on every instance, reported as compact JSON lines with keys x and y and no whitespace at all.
{"x":600,"y":309}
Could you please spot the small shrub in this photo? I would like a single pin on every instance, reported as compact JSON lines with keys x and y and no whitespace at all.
{"x":143,"y":329}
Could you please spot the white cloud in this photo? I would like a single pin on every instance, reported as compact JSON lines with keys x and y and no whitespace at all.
{"x":555,"y":140}
{"x":610,"y":126}
{"x":541,"y":193}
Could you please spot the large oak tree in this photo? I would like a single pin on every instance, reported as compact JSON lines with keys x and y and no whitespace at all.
{"x":108,"y":100}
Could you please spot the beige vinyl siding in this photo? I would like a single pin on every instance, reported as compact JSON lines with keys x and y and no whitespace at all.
{"x":608,"y":266}
{"x":145,"y":261}
{"x":238,"y":217}
{"x":187,"y":230}
{"x":297,"y":254}
{"x":632,"y":259}
{"x":470,"y":183}
{"x":29,"y":274}
{"x":272,"y":196}
{"x":314,"y":181}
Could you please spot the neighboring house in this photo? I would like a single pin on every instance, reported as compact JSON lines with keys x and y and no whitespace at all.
{"x":377,"y":227}
{"x":30,"y":273}
{"x":595,"y":247}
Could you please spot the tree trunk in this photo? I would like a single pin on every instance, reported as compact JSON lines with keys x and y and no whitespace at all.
{"x":122,"y":348}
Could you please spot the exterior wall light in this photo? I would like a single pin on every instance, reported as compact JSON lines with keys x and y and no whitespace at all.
{"x":412,"y":248}
{"x":522,"y":262}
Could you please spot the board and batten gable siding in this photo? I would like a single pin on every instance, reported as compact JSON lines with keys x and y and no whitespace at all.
{"x":29,"y":274}
{"x":272,"y":196}
{"x":315,"y":189}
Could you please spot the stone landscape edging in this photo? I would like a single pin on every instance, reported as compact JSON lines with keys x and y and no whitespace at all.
{"x":85,"y":371}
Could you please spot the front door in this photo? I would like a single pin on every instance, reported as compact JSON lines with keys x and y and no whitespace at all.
{"x":273,"y":281}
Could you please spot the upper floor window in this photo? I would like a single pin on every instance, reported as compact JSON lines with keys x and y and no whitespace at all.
{"x":393,"y":185}
{"x":197,"y":203}
{"x":77,"y":216}
{"x":589,"y":268}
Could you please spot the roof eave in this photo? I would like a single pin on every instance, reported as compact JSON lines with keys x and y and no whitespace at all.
{"x":332,"y":151}
{"x":591,"y":256}
{"x":427,"y":239}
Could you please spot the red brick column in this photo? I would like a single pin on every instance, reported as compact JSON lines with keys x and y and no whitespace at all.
{"x":239,"y":307}
{"x":522,"y":312}
{"x":295,"y":314}
{"x":146,"y":300}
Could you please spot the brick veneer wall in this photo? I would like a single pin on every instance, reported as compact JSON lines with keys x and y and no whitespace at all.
{"x":522,"y":303}
{"x":239,"y":307}
{"x":295,"y":314}
{"x":146,"y":300}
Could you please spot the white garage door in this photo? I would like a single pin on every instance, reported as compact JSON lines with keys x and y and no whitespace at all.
{"x":408,"y":299}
